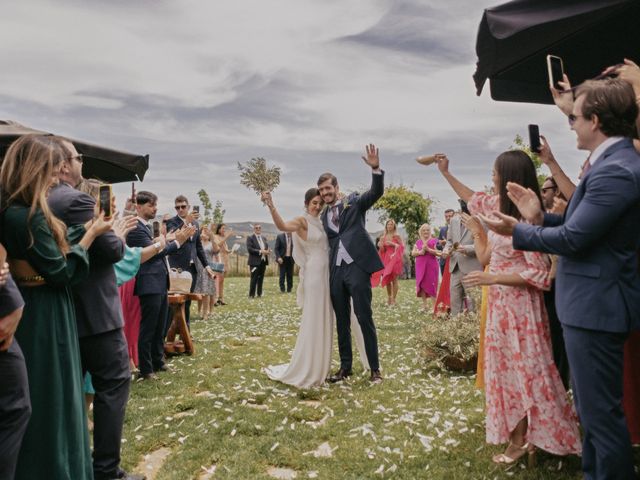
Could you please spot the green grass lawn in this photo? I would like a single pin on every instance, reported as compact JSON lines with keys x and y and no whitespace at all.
{"x":217,"y":408}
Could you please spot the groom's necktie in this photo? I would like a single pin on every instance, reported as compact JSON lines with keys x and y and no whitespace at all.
{"x":335,"y":216}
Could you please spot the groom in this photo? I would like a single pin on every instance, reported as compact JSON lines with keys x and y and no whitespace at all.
{"x":353,"y":258}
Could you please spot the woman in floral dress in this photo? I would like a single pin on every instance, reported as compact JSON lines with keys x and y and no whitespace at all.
{"x":526,"y":403}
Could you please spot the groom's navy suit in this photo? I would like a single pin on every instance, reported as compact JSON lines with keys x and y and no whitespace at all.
{"x":597,"y":298}
{"x":352,"y":281}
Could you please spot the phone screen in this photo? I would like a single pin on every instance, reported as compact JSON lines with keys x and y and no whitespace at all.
{"x":133,"y":192}
{"x":156,"y":229}
{"x":534,"y":138}
{"x":555,"y":71}
{"x":105,"y":200}
{"x":196,"y":208}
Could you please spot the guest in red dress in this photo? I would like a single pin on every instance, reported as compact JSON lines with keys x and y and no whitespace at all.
{"x":443,"y":299}
{"x":391,"y":250}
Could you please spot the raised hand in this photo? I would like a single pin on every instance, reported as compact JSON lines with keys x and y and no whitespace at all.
{"x":372,"y":158}
{"x":564,"y":98}
{"x":267,"y":199}
{"x":503,"y":225}
{"x":443,"y":162}
{"x":527,"y":202}
{"x":630,"y":73}
{"x":100,"y":225}
{"x":545,"y":154}
{"x":122,"y":226}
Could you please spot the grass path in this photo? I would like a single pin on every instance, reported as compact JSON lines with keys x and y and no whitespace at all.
{"x":219,"y":416}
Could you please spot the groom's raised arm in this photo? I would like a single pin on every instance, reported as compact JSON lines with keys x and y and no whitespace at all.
{"x":371,"y":196}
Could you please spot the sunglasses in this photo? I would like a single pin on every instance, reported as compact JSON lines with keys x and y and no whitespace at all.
{"x":543,"y":190}
{"x":181,"y":207}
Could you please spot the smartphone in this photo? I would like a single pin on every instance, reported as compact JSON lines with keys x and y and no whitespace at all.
{"x":196,"y":208}
{"x":156,"y":229}
{"x":106,"y":195}
{"x":555,"y":70}
{"x":534,"y":138}
{"x":133,"y":192}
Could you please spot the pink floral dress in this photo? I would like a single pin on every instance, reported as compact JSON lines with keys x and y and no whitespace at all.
{"x":520,"y":377}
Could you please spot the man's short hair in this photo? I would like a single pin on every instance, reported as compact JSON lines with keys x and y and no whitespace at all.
{"x":552,"y":180}
{"x":614,"y":102}
{"x":328,"y":176}
{"x":449,"y":210}
{"x":144,"y":197}
{"x":181,"y":198}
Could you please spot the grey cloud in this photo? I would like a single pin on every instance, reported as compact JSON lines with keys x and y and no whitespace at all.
{"x":435,"y":33}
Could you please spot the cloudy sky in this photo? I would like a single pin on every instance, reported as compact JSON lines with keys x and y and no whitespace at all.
{"x":306,"y":84}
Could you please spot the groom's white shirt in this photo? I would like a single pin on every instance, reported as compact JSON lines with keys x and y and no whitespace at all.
{"x":343,"y":255}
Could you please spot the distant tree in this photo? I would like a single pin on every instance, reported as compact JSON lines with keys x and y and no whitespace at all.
{"x":406,"y":206}
{"x":521,"y":145}
{"x":218,"y":213}
{"x":206,"y":203}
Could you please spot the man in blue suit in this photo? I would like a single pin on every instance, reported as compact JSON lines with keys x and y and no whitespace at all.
{"x":152,"y":285}
{"x":352,"y":259}
{"x":190,"y":251}
{"x":597,"y":282}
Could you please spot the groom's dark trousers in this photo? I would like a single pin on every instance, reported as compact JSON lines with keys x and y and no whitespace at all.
{"x":352,"y":281}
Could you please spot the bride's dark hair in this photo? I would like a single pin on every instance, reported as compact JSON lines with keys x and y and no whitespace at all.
{"x":310,"y":195}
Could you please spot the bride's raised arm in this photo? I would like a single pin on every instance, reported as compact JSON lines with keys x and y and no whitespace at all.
{"x":297,"y":225}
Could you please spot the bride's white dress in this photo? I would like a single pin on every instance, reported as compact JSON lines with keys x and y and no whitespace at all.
{"x":311,"y":359}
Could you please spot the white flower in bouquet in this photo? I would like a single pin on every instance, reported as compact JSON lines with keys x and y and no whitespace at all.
{"x":256,"y":176}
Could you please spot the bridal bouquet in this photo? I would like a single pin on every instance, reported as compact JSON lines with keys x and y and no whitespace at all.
{"x":256,"y":176}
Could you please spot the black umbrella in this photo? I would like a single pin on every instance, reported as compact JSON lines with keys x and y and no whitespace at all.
{"x":105,"y":164}
{"x":515,"y":38}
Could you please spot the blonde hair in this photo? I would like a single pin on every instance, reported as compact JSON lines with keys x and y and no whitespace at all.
{"x":25,"y":177}
{"x":424,"y":226}
{"x":91,"y":187}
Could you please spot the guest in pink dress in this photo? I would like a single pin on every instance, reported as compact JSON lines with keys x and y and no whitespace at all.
{"x":526,"y":403}
{"x":427,"y":266}
{"x":391,"y":250}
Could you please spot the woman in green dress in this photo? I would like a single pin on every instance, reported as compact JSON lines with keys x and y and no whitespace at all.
{"x":56,"y":444}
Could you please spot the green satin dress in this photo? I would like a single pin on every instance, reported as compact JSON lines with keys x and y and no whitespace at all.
{"x":56,"y":444}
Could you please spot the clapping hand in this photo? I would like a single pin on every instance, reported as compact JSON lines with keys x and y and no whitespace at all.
{"x":527,"y":202}
{"x":372,"y":158}
{"x":184,"y":233}
{"x":503,"y":225}
{"x":122,"y":226}
{"x":472,"y":223}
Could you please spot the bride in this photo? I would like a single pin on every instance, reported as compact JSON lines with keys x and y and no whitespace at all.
{"x":311,"y":359}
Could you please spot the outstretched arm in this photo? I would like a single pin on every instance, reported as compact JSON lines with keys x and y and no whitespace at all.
{"x":371,"y":196}
{"x":298,"y":224}
{"x":564,"y":183}
{"x":460,"y":188}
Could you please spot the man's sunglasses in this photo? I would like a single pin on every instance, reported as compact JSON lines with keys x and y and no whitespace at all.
{"x":181,"y":207}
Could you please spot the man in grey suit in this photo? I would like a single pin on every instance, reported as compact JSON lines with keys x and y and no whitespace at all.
{"x":463,"y":260}
{"x":103,"y":348}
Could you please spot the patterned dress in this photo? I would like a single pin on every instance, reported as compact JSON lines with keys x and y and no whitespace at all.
{"x":205,"y":284}
{"x":520,"y":377}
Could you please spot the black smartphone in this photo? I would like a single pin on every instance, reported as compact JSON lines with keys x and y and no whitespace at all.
{"x":196,"y":208}
{"x":555,"y":70}
{"x":105,"y":200}
{"x":133,"y":192}
{"x":534,"y":138}
{"x":156,"y":229}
